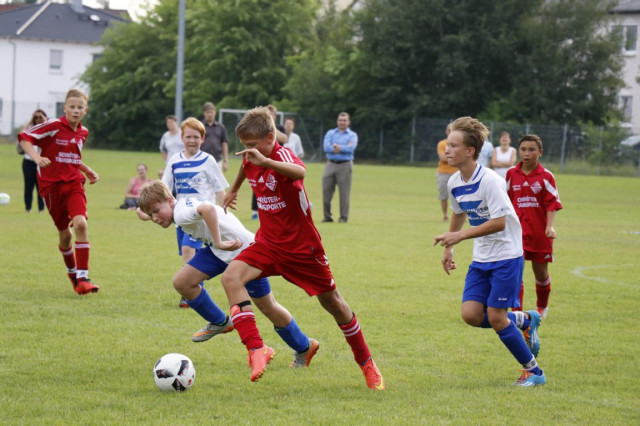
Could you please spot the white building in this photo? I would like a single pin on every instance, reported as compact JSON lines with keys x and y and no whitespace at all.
{"x":626,"y":20}
{"x":44,"y":49}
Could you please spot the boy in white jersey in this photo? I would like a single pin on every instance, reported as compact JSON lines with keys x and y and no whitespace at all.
{"x":224,"y":237}
{"x":493,"y":279}
{"x":193,"y":173}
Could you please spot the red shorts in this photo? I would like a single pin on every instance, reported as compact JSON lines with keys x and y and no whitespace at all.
{"x":65,"y":201}
{"x":538,"y":256}
{"x":312,"y":274}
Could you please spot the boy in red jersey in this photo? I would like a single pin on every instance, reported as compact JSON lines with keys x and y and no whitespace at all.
{"x":533,"y":193}
{"x":287,"y":244}
{"x":62,"y":184}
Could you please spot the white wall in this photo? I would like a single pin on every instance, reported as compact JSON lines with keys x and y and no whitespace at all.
{"x":36,"y":86}
{"x":630,"y":71}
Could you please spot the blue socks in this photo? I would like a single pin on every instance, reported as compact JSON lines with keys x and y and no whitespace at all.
{"x":207,"y":308}
{"x":512,"y":339}
{"x":293,"y":336}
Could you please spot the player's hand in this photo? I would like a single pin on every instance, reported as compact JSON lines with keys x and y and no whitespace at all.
{"x":253,"y":156}
{"x":93,"y":176}
{"x":230,"y":201}
{"x":550,"y":232}
{"x":229,"y":245}
{"x":42,"y":161}
{"x":447,"y":239}
{"x":448,"y":264}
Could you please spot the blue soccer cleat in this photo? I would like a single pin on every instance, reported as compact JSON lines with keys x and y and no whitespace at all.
{"x":531,"y":333}
{"x":529,"y":379}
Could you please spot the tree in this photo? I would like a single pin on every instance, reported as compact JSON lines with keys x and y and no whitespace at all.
{"x":235,"y":55}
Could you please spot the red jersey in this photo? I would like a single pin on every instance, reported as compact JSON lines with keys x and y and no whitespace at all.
{"x":532,"y":196}
{"x":62,"y":146}
{"x":285,"y":217}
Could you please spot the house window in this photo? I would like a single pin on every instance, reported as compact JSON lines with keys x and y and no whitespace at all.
{"x":55,"y":59}
{"x":59,"y":109}
{"x":628,"y":37}
{"x":0,"y":107}
{"x":626,"y":106}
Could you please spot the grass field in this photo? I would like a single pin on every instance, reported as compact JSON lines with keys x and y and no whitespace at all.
{"x":66,"y":359}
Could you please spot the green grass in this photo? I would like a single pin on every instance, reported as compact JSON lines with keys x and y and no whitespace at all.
{"x":66,"y":359}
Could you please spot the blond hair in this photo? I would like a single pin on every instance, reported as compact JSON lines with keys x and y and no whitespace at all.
{"x":76,"y":93}
{"x":256,"y":123}
{"x":152,"y":194}
{"x":195,"y":124}
{"x":474,"y":133}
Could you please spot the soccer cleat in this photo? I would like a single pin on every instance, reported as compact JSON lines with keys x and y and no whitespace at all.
{"x":210,"y":330}
{"x":303,"y":359}
{"x":528,"y":379}
{"x":183,"y":303}
{"x":74,"y":281}
{"x":85,"y":286}
{"x":373,"y":376}
{"x":258,"y":360}
{"x":531,"y":333}
{"x":542,"y":311}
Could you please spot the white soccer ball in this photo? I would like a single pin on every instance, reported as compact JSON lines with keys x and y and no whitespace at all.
{"x":4,"y":199}
{"x":174,"y":372}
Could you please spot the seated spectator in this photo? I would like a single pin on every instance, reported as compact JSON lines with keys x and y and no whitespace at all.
{"x":132,"y":194}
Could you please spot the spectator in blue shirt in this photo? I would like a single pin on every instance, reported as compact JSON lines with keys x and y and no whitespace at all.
{"x":339,"y":145}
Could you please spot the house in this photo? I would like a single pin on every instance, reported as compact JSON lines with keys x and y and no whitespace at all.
{"x":626,"y":20}
{"x":45,"y":48}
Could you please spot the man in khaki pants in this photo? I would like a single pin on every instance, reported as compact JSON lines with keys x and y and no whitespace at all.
{"x":339,"y":145}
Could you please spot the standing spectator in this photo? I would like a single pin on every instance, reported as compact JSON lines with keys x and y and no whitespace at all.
{"x":132,"y":193}
{"x":486,"y":152}
{"x":171,"y":141}
{"x":282,"y":138}
{"x":504,"y":156}
{"x":339,"y":145}
{"x":30,"y":168}
{"x":216,"y":142}
{"x":443,"y":174}
{"x":61,"y":180}
{"x":294,"y":143}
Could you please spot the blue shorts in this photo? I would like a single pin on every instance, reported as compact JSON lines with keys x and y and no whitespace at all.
{"x":186,"y":240}
{"x":494,"y":284}
{"x":209,"y":264}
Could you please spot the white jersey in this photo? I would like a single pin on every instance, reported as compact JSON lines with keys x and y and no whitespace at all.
{"x":195,"y":177}
{"x":186,"y":217}
{"x":485,"y":197}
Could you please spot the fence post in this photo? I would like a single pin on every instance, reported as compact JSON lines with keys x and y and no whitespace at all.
{"x":565,"y":129}
{"x":600,"y":153}
{"x":413,"y":138}
{"x":526,"y":128}
{"x":381,"y":143}
{"x":321,"y":140}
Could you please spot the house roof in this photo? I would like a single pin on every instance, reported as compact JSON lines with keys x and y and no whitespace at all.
{"x":627,"y":6}
{"x":59,"y":22}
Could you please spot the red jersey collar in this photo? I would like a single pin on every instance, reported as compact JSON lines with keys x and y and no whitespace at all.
{"x":538,"y":170}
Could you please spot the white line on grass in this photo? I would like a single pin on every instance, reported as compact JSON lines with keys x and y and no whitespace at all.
{"x":579,"y":271}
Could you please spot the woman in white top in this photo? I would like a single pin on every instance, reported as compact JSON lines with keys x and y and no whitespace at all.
{"x":171,"y":141}
{"x":504,"y":156}
{"x":293,"y":143}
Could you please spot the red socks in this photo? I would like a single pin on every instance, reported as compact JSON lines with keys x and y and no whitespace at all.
{"x":245,"y":323}
{"x":355,"y":339}
{"x":82,"y":256}
{"x":542,"y":292}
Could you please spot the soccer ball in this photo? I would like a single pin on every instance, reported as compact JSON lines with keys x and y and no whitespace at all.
{"x":4,"y":199}
{"x":174,"y":372}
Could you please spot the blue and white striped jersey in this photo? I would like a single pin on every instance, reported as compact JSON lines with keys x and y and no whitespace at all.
{"x":485,"y":197}
{"x":196,"y":177}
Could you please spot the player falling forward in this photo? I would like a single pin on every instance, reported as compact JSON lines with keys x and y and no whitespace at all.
{"x":62,"y":185}
{"x":224,"y":237}
{"x":287,"y":244}
{"x":534,"y":195}
{"x":494,"y":276}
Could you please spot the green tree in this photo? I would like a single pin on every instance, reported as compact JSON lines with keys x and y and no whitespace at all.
{"x":235,"y":55}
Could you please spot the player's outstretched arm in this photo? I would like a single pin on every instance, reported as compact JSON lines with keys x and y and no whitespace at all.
{"x":210,"y":217}
{"x":91,"y":175}
{"x":291,"y":170}
{"x":27,"y":147}
{"x":142,"y":215}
